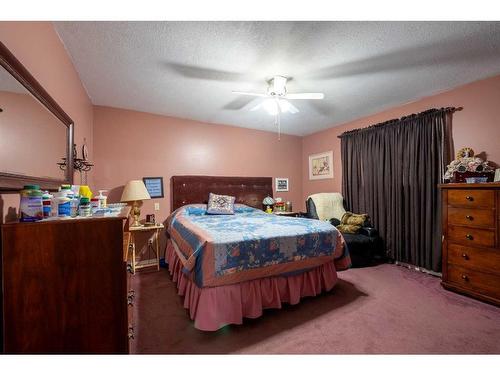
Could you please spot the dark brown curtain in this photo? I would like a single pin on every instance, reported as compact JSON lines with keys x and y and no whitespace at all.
{"x":391,"y":171}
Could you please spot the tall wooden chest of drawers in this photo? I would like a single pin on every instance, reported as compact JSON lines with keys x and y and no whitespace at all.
{"x":64,"y":287}
{"x":471,"y":239}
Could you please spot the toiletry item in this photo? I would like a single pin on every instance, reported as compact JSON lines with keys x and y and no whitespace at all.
{"x":63,"y":203}
{"x":85,"y":191}
{"x":288,"y":206}
{"x":94,"y":204}
{"x":76,"y":190}
{"x":66,"y":188}
{"x":84,"y":208}
{"x":31,"y":207}
{"x":102,"y":199}
{"x":74,"y":203}
{"x":47,"y":204}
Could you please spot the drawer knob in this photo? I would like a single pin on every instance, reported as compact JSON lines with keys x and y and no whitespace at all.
{"x":469,"y":237}
{"x":465,"y":277}
{"x":465,"y":256}
{"x":469,"y":198}
{"x":469,"y":217}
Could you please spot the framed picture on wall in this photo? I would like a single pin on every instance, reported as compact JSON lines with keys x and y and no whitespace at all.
{"x":281,"y":184}
{"x":154,"y":185}
{"x":321,"y":166}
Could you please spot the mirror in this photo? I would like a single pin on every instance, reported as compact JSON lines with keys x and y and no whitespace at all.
{"x":35,"y":133}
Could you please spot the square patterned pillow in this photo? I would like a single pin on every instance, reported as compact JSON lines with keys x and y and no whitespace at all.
{"x":220,"y":204}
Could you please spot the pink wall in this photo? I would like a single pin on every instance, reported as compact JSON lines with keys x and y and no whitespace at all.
{"x":130,"y":145}
{"x":38,"y":47}
{"x":477,"y":126}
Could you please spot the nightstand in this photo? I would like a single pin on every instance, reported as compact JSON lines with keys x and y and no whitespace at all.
{"x":288,"y":214}
{"x":155,"y":246}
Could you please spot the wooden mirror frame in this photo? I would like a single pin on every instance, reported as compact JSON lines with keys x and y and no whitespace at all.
{"x":15,"y":182}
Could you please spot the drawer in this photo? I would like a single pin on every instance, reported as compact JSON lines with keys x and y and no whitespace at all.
{"x":471,"y":236}
{"x":487,"y":260}
{"x":471,"y":198}
{"x":476,"y":281}
{"x":471,"y":217}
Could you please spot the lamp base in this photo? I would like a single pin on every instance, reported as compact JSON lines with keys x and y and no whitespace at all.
{"x":136,"y":213}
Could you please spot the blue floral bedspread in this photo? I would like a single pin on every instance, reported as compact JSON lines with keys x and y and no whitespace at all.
{"x":225,"y":249}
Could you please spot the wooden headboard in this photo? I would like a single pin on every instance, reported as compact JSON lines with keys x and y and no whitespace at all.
{"x":195,"y":189}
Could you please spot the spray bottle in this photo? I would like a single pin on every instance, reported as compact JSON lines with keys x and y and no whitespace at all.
{"x":103,"y":199}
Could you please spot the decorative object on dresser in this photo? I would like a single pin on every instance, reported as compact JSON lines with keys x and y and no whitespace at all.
{"x":471,"y":239}
{"x":321,"y":165}
{"x":467,"y":168}
{"x":135,"y":191}
{"x":64,"y":287}
{"x":281,"y":184}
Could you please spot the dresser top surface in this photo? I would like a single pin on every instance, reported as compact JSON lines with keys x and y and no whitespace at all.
{"x":484,"y":185}
{"x":67,"y":221}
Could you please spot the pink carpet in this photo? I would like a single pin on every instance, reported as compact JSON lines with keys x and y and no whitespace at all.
{"x":384,"y":309}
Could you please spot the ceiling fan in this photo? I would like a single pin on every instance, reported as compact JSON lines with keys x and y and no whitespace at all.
{"x":277,"y":99}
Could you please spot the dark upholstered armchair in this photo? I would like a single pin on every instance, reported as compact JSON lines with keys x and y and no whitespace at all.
{"x":365,"y":247}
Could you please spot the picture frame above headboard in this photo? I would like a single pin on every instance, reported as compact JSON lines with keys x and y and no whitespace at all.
{"x":195,"y":189}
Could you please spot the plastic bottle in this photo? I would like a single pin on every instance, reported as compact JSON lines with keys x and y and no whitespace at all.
{"x":94,"y":204}
{"x":102,"y":199}
{"x":47,"y":204}
{"x":62,"y":203}
{"x":85,"y":191}
{"x":74,"y":203}
{"x":31,"y":207}
{"x":84,"y":208}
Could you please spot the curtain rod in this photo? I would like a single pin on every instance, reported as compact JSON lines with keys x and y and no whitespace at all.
{"x":404,"y":118}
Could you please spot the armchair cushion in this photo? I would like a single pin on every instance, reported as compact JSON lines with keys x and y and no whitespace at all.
{"x":369,"y":231}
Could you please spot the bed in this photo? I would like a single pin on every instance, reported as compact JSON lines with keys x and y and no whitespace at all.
{"x":228,"y":267}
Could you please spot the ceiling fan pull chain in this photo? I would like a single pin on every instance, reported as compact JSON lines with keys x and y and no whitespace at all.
{"x":278,"y":118}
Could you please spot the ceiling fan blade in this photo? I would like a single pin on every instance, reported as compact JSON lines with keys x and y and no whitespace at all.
{"x":249,"y":93}
{"x":306,"y":95}
{"x":255,"y":108}
{"x":292,"y":109}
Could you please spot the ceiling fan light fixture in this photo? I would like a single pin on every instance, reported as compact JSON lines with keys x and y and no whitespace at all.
{"x":271,"y":106}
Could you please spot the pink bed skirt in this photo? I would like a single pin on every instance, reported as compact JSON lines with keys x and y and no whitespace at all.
{"x":214,"y":307}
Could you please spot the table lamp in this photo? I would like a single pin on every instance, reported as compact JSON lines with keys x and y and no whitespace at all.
{"x":135,"y":191}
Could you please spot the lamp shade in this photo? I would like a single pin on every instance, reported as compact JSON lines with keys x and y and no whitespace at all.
{"x":268,"y":201}
{"x":135,"y":190}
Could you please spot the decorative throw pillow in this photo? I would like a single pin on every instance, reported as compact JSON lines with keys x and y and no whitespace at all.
{"x":347,"y":228}
{"x":220,"y":204}
{"x":351,"y":223}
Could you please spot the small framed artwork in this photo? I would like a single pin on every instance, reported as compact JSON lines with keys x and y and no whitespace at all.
{"x":154,"y":185}
{"x":321,"y":165}
{"x":281,"y":184}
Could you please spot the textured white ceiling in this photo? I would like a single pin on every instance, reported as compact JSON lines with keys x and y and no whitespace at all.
{"x":188,"y":69}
